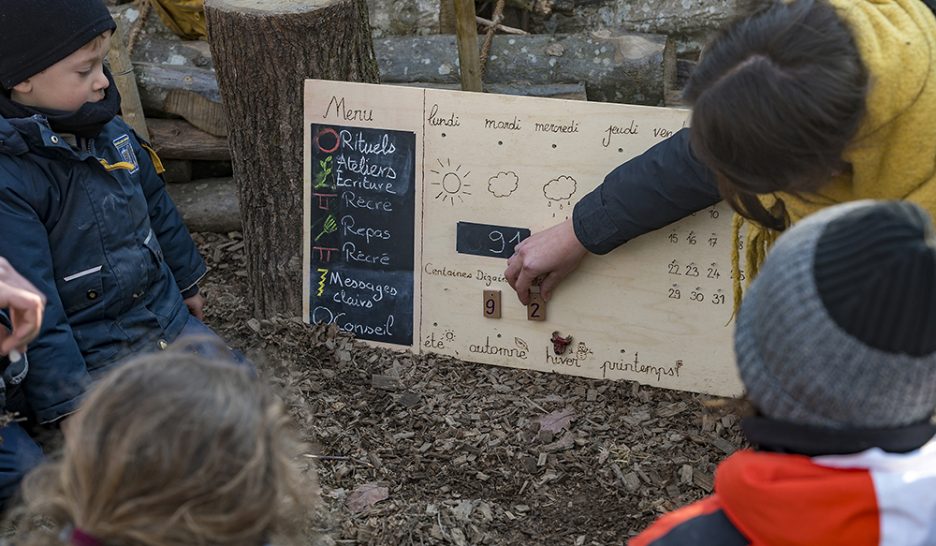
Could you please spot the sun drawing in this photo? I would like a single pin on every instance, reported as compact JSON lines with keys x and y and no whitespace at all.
{"x":453,"y":182}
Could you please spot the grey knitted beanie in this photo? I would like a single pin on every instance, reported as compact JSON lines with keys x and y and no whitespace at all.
{"x":839,"y":328}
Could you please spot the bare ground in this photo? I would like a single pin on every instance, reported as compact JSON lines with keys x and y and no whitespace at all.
{"x":431,"y":450}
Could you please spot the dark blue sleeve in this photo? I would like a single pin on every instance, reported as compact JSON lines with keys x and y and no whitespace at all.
{"x":713,"y":528}
{"x":662,"y":185}
{"x":180,"y":251}
{"x":58,"y":375}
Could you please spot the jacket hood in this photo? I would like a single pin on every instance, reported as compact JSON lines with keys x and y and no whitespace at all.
{"x":872,"y":497}
{"x":11,"y":141}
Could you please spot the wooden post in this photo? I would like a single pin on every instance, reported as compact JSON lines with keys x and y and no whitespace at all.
{"x":122,"y":70}
{"x":446,"y":16}
{"x":262,"y":52}
{"x":466,"y":26}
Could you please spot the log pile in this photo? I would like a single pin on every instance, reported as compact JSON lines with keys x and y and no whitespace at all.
{"x":608,"y":50}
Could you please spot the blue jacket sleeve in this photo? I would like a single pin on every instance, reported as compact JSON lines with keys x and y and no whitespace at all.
{"x":58,"y":375}
{"x":180,"y":251}
{"x":662,"y":185}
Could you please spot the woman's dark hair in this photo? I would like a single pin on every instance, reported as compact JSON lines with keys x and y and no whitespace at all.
{"x":777,"y":97}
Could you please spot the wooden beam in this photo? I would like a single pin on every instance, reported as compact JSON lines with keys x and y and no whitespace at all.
{"x":466,"y":27}
{"x":122,"y":70}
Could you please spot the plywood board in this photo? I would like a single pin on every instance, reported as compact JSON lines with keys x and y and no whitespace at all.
{"x":490,"y":169}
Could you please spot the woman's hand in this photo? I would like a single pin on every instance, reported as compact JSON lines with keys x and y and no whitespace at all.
{"x":546,"y":257}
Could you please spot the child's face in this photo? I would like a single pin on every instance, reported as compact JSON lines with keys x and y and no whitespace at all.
{"x":69,"y":83}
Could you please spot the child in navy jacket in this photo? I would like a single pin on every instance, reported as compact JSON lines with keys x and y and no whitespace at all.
{"x":84,"y":214}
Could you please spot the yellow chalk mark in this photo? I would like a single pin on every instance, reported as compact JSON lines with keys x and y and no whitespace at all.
{"x":321,"y":287}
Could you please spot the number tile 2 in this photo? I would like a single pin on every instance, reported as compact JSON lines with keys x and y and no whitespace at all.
{"x":492,"y":304}
{"x":536,"y":309}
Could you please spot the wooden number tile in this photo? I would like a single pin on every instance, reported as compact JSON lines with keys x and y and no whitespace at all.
{"x":492,"y":304}
{"x":536,"y":309}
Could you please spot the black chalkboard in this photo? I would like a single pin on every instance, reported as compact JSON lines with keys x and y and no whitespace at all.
{"x":362,"y":230}
{"x":487,"y":240}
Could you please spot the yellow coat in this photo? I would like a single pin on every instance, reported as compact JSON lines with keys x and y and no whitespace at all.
{"x":186,"y":18}
{"x":893,"y":156}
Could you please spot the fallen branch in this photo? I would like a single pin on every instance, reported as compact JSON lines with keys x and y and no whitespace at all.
{"x":503,"y":28}
{"x":489,"y":36}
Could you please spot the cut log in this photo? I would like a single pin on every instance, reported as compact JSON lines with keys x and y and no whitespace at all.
{"x":404,"y":17}
{"x":263,"y":51}
{"x":178,"y":139}
{"x":186,"y":91}
{"x":208,"y":205}
{"x":678,"y":18}
{"x":572,"y":91}
{"x":212,"y":169}
{"x":615,"y":66}
{"x":178,"y":171}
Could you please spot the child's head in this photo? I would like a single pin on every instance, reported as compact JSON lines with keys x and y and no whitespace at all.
{"x":52,"y":52}
{"x":838,"y":330}
{"x":172,"y":449}
{"x":776,"y":98}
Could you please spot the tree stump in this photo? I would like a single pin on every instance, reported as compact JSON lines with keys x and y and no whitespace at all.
{"x":262,"y":53}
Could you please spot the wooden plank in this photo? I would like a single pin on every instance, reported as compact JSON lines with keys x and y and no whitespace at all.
{"x":122,"y":70}
{"x":657,"y":311}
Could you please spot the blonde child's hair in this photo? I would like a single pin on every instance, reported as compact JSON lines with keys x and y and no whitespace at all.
{"x":173,"y":450}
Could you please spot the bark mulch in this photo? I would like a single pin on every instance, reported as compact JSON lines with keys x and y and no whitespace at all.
{"x":431,"y":450}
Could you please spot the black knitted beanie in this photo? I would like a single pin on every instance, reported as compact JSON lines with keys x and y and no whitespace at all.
{"x":875,"y":270}
{"x":35,"y":34}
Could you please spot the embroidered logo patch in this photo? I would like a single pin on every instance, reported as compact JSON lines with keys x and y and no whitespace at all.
{"x":125,"y":149}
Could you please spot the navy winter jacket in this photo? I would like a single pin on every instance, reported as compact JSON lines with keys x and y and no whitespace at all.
{"x":96,"y":232}
{"x":656,"y":188}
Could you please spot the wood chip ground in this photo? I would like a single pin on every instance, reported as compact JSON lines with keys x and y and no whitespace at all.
{"x":432,"y":450}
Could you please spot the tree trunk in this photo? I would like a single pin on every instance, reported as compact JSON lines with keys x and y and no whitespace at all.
{"x":262,"y":53}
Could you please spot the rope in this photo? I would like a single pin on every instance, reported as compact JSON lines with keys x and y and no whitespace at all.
{"x":489,"y":37}
{"x":138,"y":25}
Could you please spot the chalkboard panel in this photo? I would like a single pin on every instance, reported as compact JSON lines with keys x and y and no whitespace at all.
{"x":362,"y":231}
{"x":487,"y":240}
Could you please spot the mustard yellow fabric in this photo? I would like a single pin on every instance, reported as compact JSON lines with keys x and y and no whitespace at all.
{"x":893,"y":156}
{"x":186,"y":18}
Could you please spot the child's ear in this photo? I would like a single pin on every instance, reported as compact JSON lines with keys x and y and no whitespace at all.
{"x":23,"y":87}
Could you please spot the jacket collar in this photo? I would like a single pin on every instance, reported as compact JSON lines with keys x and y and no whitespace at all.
{"x":782,"y":437}
{"x":21,"y":135}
